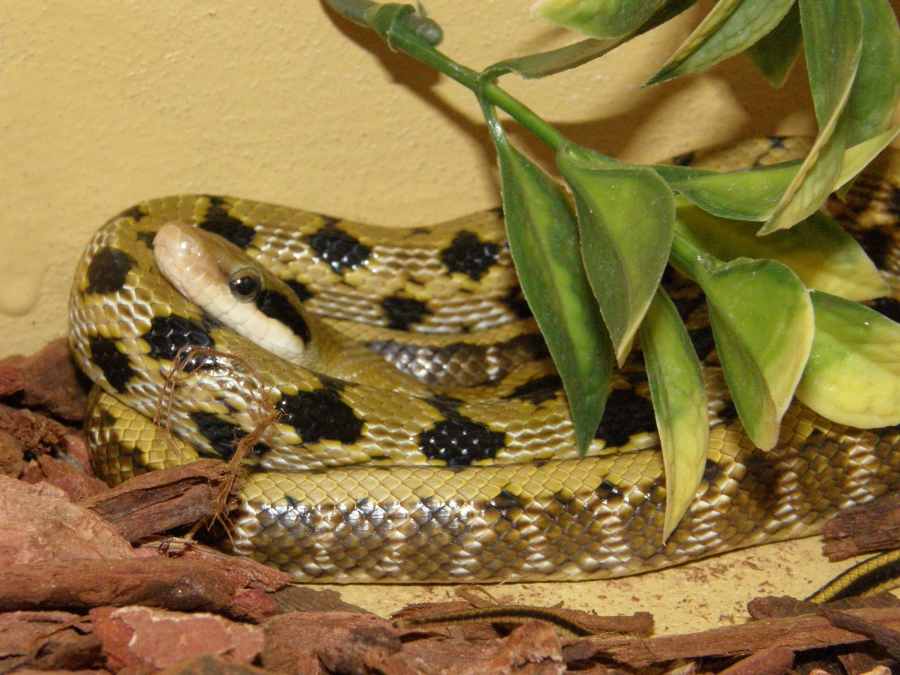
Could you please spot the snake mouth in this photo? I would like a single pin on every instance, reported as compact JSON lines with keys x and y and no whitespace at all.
{"x":203,"y":267}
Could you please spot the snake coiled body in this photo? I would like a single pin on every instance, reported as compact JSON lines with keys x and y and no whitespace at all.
{"x":457,"y":462}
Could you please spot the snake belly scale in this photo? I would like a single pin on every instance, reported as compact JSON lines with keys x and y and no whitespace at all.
{"x":440,"y":450}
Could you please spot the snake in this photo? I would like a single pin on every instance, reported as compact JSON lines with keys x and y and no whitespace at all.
{"x":398,"y":414}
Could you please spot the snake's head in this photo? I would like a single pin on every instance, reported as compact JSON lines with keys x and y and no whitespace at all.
{"x":232,"y":289}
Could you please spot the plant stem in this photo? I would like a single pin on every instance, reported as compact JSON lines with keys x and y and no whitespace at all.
{"x":400,"y":37}
{"x":524,"y":116}
{"x":686,"y":258}
{"x":355,"y":10}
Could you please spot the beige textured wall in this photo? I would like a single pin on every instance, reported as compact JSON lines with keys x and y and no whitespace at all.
{"x":106,"y":102}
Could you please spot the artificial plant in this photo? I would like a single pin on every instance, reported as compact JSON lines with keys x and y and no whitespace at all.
{"x":782,"y":281}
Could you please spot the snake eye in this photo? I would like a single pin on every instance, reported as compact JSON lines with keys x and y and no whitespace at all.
{"x":245,"y":284}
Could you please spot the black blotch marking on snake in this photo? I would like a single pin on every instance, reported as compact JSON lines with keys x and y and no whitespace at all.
{"x":686,"y":305}
{"x":532,"y":344}
{"x":517,"y":303}
{"x":606,"y":492}
{"x":278,"y":306}
{"x":864,"y":191}
{"x":710,"y":471}
{"x":564,"y":496}
{"x":107,"y":421}
{"x":108,"y":270}
{"x":538,"y":390}
{"x":447,"y":406}
{"x":893,"y":201}
{"x":505,"y":502}
{"x":146,"y":238}
{"x":728,"y":412}
{"x":458,"y":440}
{"x":626,"y":414}
{"x":776,"y":142}
{"x":300,"y":290}
{"x":320,"y":415}
{"x":669,"y":275}
{"x":657,"y":492}
{"x":703,"y":341}
{"x":137,"y":212}
{"x":337,"y":248}
{"x":297,"y":508}
{"x":683,"y":160}
{"x":401,"y":313}
{"x":115,"y":365}
{"x":469,"y":255}
{"x":876,"y":243}
{"x":334,"y":383}
{"x":887,"y":307}
{"x":222,"y":435}
{"x":219,"y":222}
{"x":764,"y":480}
{"x":170,"y":333}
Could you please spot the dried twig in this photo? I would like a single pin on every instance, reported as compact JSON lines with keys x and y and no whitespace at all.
{"x":263,"y":414}
{"x":794,"y":633}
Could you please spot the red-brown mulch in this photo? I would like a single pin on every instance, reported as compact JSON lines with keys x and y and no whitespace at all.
{"x":90,"y":583}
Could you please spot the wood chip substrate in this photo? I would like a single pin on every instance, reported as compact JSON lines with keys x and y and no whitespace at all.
{"x":100,"y":580}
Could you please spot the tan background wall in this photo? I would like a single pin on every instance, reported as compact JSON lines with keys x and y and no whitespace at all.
{"x":106,"y":102}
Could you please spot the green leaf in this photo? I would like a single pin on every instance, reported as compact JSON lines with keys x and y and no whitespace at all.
{"x":861,"y":155}
{"x":679,"y":403}
{"x":815,"y":180}
{"x":542,"y":64}
{"x":731,"y":27}
{"x":598,"y":18}
{"x":626,"y":217}
{"x":674,"y":173}
{"x":817,"y":249}
{"x":742,"y":195}
{"x":762,"y":322}
{"x":832,"y":37}
{"x":853,"y":373}
{"x":876,"y":88}
{"x":753,"y":194}
{"x":668,"y":11}
{"x":774,"y":55}
{"x":543,"y":239}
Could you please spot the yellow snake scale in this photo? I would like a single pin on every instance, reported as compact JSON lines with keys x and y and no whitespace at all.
{"x":466,"y":470}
